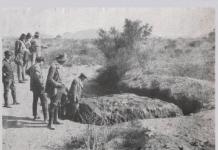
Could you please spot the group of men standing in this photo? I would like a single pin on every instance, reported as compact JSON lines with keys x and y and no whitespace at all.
{"x":54,"y":89}
{"x":27,"y":48}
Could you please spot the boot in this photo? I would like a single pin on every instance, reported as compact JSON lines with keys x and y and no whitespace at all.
{"x":14,"y":96}
{"x":51,"y":118}
{"x":45,"y":111}
{"x":56,"y":117}
{"x":6,"y":99}
{"x":7,"y":106}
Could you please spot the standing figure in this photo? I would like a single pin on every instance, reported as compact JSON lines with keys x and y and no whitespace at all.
{"x":74,"y":96}
{"x":38,"y":88}
{"x":35,"y":47}
{"x":55,"y":88}
{"x":8,"y":79}
{"x":20,"y":49}
{"x":27,"y":52}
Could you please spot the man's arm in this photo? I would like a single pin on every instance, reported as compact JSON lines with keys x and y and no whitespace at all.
{"x":28,"y":71}
{"x":4,"y":70}
{"x":17,"y":47}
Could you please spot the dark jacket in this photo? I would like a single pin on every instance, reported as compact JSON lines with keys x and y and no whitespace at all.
{"x":53,"y":80}
{"x":7,"y":71}
{"x":20,"y":49}
{"x":75,"y":91}
{"x":36,"y":78}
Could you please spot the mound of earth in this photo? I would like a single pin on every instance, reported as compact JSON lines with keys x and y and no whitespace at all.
{"x":186,"y":132}
{"x":191,"y":95}
{"x":195,"y":132}
{"x":111,"y":109}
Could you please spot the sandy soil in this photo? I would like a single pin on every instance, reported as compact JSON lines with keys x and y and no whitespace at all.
{"x":20,"y":132}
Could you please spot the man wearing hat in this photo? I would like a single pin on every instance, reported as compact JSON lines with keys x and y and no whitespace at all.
{"x":27,"y":53}
{"x":35,"y":48}
{"x":38,"y":88}
{"x":74,"y":96}
{"x":20,"y":49}
{"x":54,"y":88}
{"x":8,"y":79}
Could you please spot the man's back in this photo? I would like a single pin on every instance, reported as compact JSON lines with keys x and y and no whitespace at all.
{"x":36,"y":77}
{"x":75,"y":91}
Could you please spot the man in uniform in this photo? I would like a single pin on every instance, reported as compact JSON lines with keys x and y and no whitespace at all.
{"x":20,"y":49}
{"x":55,"y":89}
{"x":27,"y":52}
{"x":38,"y":88}
{"x":35,"y":47}
{"x":8,"y":79}
{"x":75,"y":94}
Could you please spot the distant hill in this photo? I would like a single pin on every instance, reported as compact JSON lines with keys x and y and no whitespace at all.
{"x":84,"y":34}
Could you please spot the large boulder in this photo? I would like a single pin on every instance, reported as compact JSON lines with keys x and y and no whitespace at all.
{"x":111,"y":109}
{"x":191,"y":95}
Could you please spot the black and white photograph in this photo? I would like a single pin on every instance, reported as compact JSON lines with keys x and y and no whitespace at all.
{"x":108,"y":78}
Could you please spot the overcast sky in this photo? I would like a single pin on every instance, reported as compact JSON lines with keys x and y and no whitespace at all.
{"x":166,"y":22}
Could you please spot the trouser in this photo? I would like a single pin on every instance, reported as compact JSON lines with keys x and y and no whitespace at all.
{"x":7,"y":86}
{"x":33,"y":58}
{"x":53,"y":111}
{"x":20,"y":72}
{"x":25,"y":66}
{"x":43,"y":99}
{"x":34,"y":55}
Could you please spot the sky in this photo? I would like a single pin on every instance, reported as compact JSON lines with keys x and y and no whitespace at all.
{"x":166,"y":22}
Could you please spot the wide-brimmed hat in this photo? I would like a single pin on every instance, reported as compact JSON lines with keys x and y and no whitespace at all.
{"x":82,"y":76}
{"x":61,"y":57}
{"x":28,"y":35}
{"x":8,"y":53}
{"x":40,"y":59}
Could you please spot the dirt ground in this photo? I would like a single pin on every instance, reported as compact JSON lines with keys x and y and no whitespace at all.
{"x":20,"y":132}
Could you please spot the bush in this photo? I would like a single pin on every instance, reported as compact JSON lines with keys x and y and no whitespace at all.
{"x":121,"y":48}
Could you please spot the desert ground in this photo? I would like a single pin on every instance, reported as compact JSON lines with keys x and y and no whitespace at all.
{"x":163,"y":99}
{"x":195,"y":131}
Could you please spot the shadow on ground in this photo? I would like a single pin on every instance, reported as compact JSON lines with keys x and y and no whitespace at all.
{"x":21,"y":122}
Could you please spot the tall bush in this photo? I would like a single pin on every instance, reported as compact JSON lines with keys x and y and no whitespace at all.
{"x":121,"y":47}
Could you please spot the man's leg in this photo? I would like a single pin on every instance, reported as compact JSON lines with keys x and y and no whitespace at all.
{"x":33,"y":58}
{"x":43,"y":100}
{"x":24,"y":71}
{"x":56,"y":115}
{"x":51,"y":113}
{"x":6,"y":91}
{"x":19,"y":74}
{"x":35,"y":100}
{"x":13,"y":92}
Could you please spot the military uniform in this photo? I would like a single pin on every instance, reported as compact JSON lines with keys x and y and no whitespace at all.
{"x":35,"y":49}
{"x":27,"y":55}
{"x":20,"y":49}
{"x":54,"y":88}
{"x":38,"y":89}
{"x":8,"y":81}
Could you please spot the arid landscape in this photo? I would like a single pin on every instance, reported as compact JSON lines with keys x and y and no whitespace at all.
{"x":143,"y":93}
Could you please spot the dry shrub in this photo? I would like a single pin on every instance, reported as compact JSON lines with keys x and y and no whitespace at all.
{"x":120,"y":49}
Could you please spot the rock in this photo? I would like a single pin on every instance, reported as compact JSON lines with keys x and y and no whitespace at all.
{"x":118,"y":108}
{"x":191,"y":95}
